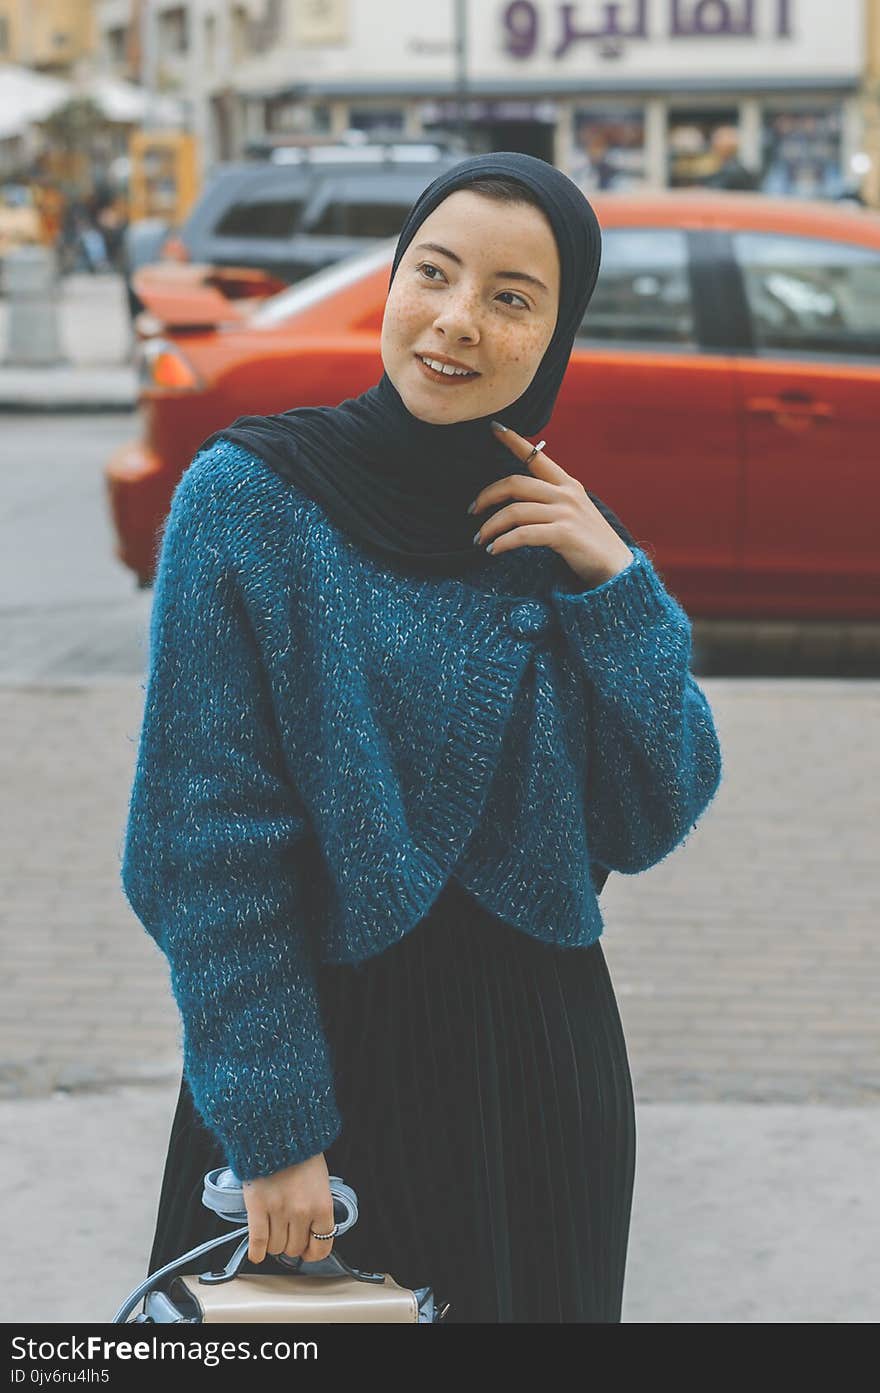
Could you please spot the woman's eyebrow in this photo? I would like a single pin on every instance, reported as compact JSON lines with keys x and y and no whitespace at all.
{"x":501,"y":275}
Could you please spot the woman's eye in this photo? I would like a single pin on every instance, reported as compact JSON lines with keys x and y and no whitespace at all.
{"x":427,"y":268}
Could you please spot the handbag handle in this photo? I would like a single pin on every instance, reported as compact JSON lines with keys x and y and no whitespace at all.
{"x":222,"y":1192}
{"x":219,"y":1181}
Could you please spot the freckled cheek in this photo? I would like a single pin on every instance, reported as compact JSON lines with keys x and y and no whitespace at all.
{"x":518,"y":355}
{"x":403,"y":318}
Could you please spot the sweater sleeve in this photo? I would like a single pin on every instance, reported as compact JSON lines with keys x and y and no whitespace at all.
{"x":654,"y":758}
{"x":214,"y":854}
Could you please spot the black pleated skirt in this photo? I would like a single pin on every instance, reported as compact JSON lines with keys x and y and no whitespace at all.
{"x":488,"y":1122}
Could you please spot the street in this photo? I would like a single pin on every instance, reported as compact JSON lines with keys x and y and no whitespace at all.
{"x":746,"y":964}
{"x":70,"y":610}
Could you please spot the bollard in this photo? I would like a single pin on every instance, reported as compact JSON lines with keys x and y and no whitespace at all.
{"x":32,"y":336}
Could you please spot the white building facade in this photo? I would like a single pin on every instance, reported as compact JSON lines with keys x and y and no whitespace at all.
{"x":619,"y":93}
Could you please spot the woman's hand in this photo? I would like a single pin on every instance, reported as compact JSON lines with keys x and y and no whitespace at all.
{"x":283,"y":1208}
{"x":552,"y":510}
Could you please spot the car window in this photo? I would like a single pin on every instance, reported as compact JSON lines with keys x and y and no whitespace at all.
{"x":643,"y":293}
{"x":360,"y":219}
{"x":809,"y":295}
{"x":261,"y":218}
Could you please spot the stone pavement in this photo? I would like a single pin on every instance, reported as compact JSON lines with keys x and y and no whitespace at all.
{"x":742,"y":1212}
{"x":746,"y":968}
{"x":746,"y":963}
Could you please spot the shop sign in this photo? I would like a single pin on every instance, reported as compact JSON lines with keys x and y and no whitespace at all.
{"x":565,"y":26}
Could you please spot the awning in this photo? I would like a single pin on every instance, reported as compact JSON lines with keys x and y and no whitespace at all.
{"x":26,"y":97}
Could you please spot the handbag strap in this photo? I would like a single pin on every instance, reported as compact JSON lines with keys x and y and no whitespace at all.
{"x":131,"y":1301}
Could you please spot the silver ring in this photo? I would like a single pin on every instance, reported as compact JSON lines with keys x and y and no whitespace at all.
{"x":535,"y":450}
{"x":324,"y":1235}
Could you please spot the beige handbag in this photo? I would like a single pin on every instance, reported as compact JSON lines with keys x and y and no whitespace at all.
{"x":290,"y":1290}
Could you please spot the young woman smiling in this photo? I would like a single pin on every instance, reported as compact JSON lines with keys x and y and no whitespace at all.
{"x":385,"y":769}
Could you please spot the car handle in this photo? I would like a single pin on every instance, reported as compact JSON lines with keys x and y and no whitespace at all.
{"x":790,"y":406}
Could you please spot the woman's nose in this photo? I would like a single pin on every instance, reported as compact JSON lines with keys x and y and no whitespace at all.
{"x":458,"y":320}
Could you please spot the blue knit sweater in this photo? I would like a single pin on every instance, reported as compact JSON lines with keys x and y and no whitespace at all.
{"x":328,"y":739}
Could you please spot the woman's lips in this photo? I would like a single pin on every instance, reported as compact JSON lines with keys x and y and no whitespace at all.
{"x":448,"y":379}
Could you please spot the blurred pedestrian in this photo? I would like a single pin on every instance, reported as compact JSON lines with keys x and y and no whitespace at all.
{"x":110,"y":220}
{"x":50,"y":203}
{"x":730,"y":173}
{"x":83,"y":245}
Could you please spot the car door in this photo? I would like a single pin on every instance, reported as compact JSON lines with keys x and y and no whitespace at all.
{"x":810,"y":401}
{"x":646,"y":417}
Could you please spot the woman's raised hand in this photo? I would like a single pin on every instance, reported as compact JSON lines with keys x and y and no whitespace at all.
{"x":284,"y":1207}
{"x":549,"y":508}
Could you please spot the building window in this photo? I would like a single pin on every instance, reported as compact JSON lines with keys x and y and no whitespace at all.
{"x":377,"y":121}
{"x":807,"y":295}
{"x":801,"y":152}
{"x":699,"y":142}
{"x":173,"y":32}
{"x":286,"y":115}
{"x":241,"y":32}
{"x":115,"y":41}
{"x":609,"y":148}
{"x":210,"y":43}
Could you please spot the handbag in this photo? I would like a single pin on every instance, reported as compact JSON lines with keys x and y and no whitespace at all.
{"x":289,"y":1290}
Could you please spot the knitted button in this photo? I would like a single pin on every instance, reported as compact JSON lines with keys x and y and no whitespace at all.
{"x":528,"y":619}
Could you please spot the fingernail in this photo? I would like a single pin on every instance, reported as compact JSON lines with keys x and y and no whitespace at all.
{"x":490,"y":546}
{"x":498,"y":425}
{"x":477,"y":537}
{"x":473,"y":507}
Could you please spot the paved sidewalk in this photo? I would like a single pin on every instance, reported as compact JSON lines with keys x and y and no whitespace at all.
{"x":96,"y":340}
{"x":745,"y":965}
{"x":742,"y":1212}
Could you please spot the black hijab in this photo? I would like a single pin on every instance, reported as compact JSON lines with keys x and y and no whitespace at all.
{"x":400,"y":485}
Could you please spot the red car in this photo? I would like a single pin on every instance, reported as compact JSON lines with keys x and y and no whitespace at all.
{"x":723,"y":397}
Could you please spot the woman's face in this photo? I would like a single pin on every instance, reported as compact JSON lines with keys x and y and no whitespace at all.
{"x":477,"y":288}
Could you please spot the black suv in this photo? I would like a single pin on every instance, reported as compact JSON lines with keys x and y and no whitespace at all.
{"x":298,"y":210}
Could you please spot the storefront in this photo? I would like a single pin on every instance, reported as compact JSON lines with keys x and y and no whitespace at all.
{"x":655,"y":91}
{"x":799,"y":143}
{"x":794,"y":143}
{"x":620,"y":95}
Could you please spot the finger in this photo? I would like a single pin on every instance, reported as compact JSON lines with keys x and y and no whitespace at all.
{"x":319,"y":1247}
{"x":297,"y":1237}
{"x":534,"y":534}
{"x":518,"y":486}
{"x":258,"y":1237}
{"x":516,"y":444}
{"x":277,"y":1235}
{"x":514,"y":515}
{"x":541,"y":463}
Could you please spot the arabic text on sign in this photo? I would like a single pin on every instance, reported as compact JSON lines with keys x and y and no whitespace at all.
{"x":637,"y":19}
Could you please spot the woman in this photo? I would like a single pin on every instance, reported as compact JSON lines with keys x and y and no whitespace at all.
{"x":383,"y":773}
